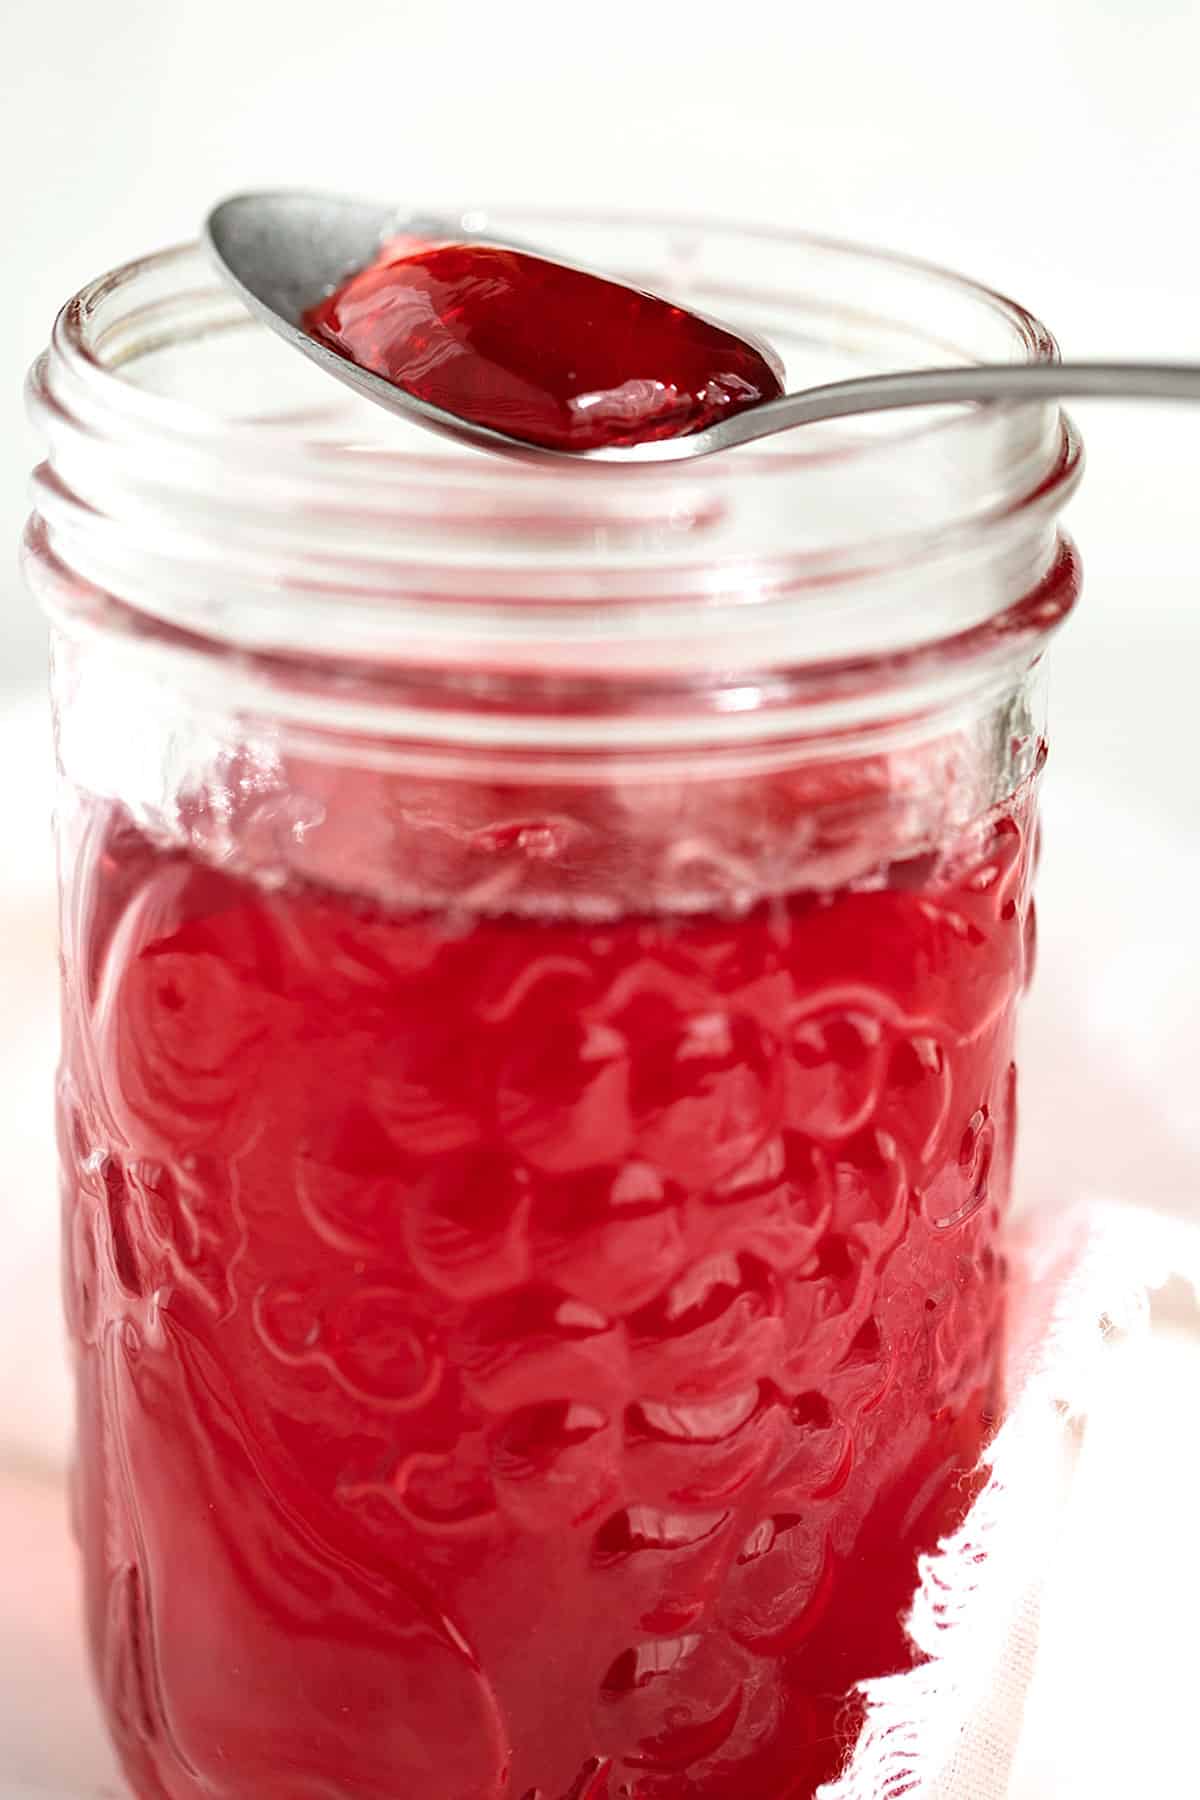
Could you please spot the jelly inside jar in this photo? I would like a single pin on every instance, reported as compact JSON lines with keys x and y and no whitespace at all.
{"x":541,"y":351}
{"x":555,"y":1341}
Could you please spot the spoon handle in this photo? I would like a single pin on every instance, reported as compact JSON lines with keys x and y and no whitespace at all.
{"x":935,"y":387}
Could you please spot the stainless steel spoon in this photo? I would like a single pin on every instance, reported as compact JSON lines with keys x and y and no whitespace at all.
{"x":284,"y":251}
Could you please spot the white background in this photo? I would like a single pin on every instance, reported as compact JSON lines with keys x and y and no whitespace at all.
{"x":1051,"y":149}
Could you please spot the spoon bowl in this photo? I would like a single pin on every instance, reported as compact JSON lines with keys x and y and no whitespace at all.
{"x":283,"y":251}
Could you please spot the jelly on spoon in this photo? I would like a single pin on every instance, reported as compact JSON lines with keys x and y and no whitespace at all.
{"x":543,"y":351}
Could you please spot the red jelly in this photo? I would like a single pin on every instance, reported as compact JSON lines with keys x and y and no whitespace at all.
{"x":521,"y":1357}
{"x":544,"y":352}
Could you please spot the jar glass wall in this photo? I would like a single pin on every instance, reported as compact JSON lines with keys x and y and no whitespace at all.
{"x":537,"y":1095}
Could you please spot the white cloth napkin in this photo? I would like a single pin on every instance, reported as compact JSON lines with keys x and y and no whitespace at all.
{"x":963,"y":1724}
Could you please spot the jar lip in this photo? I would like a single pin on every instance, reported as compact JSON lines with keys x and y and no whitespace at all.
{"x":260,"y":535}
{"x":121,"y":399}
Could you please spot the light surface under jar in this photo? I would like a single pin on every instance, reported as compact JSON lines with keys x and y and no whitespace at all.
{"x":537,"y":1096}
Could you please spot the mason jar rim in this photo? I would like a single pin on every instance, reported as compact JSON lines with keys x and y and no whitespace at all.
{"x":261,"y":537}
{"x":73,"y":338}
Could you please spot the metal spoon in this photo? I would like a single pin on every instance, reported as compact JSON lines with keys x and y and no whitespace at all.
{"x":284,"y":251}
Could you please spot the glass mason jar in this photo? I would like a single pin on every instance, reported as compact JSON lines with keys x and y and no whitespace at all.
{"x":540,"y":954}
